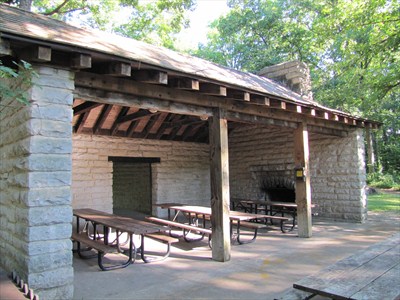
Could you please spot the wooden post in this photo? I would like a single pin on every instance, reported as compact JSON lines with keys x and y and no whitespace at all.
{"x":220,"y":197}
{"x":370,"y":151}
{"x":303,"y":187}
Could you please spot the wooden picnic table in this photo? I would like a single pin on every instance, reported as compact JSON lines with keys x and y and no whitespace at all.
{"x":237,"y":218}
{"x":373,"y":273}
{"x":271,"y":208}
{"x":121,"y":225}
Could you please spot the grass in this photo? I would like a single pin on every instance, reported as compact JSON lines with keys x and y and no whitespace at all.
{"x":384,"y":202}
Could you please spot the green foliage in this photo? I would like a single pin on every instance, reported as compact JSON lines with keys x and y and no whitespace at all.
{"x":351,"y":47}
{"x":155,"y":21}
{"x":15,"y":81}
{"x":384,"y":202}
{"x":384,"y":181}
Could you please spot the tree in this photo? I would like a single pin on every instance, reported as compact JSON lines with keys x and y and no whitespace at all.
{"x":351,"y":47}
{"x":155,"y":21}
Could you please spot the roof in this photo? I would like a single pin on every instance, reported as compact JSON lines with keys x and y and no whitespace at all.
{"x":15,"y":22}
{"x":36,"y":26}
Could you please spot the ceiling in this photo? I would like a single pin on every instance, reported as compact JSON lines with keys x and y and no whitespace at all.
{"x":132,"y":122}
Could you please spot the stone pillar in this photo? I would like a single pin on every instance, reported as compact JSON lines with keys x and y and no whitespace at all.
{"x":295,"y":75}
{"x":35,"y":203}
{"x":339,"y":178}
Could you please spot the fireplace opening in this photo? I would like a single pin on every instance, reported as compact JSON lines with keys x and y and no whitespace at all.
{"x":278,"y":189}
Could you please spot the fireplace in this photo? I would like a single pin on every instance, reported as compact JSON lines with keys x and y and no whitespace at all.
{"x":278,"y":188}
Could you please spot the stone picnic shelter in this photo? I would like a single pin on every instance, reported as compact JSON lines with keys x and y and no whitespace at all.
{"x":116,"y":124}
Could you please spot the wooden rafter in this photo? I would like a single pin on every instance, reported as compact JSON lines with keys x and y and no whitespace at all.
{"x":102,"y":118}
{"x":85,"y":107}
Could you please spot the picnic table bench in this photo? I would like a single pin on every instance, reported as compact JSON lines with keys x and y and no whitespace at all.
{"x":102,"y":245}
{"x":370,"y":274}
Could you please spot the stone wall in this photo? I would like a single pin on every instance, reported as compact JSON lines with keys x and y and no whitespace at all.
{"x":182,"y":176}
{"x":336,"y":167}
{"x":254,"y":152}
{"x":35,"y":201}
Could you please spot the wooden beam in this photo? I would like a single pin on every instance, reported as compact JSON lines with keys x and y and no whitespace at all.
{"x":85,"y":107}
{"x":81,"y":61}
{"x":105,"y":111}
{"x":184,"y":83}
{"x":36,"y":53}
{"x":114,"y":68}
{"x":303,"y":186}
{"x":208,"y":88}
{"x":141,"y":102}
{"x":277,"y":104}
{"x":122,"y":113}
{"x":238,"y":94}
{"x":5,"y":48}
{"x":81,"y":122}
{"x":156,"y":124}
{"x":153,"y":92}
{"x":259,"y":99}
{"x":135,"y":116}
{"x":327,"y":131}
{"x":244,"y":118}
{"x":150,"y":76}
{"x":220,"y":197}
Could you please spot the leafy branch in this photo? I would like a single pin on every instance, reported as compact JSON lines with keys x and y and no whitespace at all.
{"x":14,"y":83}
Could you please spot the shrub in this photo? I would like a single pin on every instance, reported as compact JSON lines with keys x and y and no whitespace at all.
{"x":384,"y":181}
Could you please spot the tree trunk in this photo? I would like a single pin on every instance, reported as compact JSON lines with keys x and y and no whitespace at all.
{"x":25,"y":5}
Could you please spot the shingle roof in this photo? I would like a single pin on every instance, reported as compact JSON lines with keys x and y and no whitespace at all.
{"x":35,"y":26}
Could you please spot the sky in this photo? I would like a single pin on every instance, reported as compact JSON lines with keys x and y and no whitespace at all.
{"x":206,"y":12}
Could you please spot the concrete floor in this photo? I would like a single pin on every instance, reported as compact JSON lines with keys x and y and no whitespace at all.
{"x":260,"y":270}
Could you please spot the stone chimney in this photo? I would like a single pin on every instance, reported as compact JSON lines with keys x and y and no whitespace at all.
{"x":294,"y":75}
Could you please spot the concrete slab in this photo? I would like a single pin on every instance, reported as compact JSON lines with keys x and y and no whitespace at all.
{"x":261,"y":270}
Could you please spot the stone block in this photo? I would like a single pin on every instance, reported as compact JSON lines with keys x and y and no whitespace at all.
{"x":50,"y":162}
{"x":47,"y":196}
{"x":50,"y":128}
{"x":50,"y":95}
{"x":46,"y":233}
{"x":53,"y":81}
{"x":49,"y":215}
{"x":50,"y":261}
{"x":50,"y":145}
{"x":52,"y":111}
{"x":52,"y":278}
{"x":50,"y":179}
{"x":52,"y":246}
{"x":53,"y":72}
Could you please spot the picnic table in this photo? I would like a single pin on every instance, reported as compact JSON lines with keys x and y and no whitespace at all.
{"x":271,"y":208}
{"x":120,"y":225}
{"x":373,"y":273}
{"x":198,"y":215}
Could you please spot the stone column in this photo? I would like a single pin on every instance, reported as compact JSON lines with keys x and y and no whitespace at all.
{"x":36,"y":212}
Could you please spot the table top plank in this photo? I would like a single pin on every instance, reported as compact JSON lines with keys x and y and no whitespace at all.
{"x":124,"y":224}
{"x":233,"y":215}
{"x":351,"y":275}
{"x":388,"y":282}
